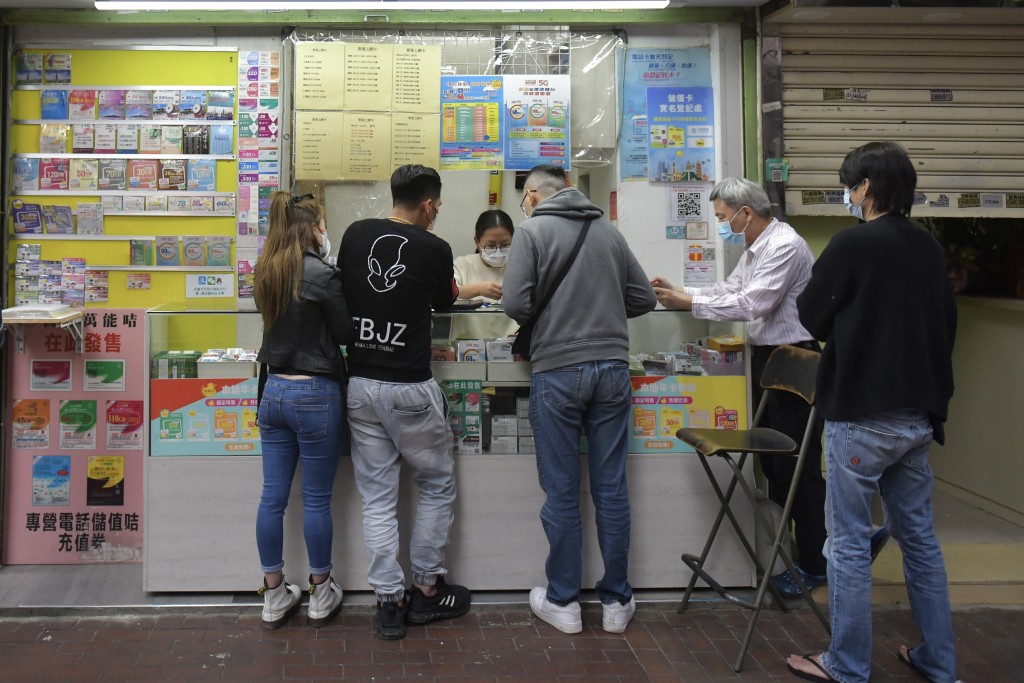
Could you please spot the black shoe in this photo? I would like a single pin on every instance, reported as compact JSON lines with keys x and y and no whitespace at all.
{"x":391,"y":620}
{"x":447,"y":603}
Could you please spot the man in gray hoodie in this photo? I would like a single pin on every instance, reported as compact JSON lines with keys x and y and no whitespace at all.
{"x":580,"y":382}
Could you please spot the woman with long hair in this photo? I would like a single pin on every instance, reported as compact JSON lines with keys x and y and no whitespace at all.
{"x":301,"y":411}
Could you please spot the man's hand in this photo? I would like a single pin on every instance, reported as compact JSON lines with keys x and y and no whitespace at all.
{"x":673,"y":299}
{"x":659,"y":281}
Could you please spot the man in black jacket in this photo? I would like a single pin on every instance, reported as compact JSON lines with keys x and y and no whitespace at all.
{"x":880,"y":299}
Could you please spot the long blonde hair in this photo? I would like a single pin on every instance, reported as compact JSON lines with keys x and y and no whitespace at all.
{"x":294,"y":222}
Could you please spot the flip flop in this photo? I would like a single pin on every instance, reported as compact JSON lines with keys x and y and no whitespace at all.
{"x":811,"y":677}
{"x":904,"y":656}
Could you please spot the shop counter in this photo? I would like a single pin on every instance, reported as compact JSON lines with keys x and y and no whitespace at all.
{"x":203,"y":472}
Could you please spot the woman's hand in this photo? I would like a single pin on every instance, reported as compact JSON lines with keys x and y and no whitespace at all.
{"x":487,"y":289}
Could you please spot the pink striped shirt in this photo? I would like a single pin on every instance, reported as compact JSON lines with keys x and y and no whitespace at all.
{"x":763,"y":288}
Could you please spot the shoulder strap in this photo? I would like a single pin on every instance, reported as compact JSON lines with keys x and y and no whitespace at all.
{"x":565,"y":270}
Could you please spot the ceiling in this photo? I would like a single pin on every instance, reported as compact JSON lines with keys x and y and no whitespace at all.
{"x":88,"y":4}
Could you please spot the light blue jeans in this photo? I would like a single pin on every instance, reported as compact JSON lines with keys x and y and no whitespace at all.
{"x":884,"y":452}
{"x":391,"y":422}
{"x":563,"y":401}
{"x":300,"y":420}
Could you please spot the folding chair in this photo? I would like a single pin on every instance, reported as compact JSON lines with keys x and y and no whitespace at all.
{"x":791,"y":369}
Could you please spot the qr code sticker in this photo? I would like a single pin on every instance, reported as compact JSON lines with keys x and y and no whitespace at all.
{"x":687,"y":205}
{"x":709,"y":254}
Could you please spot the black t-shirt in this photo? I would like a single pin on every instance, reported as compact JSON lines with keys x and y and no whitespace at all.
{"x":393,"y":275}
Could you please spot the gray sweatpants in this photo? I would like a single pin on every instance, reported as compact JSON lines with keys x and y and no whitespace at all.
{"x":391,"y":422}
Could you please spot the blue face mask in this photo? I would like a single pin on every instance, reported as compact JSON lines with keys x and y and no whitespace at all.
{"x":856,"y":210}
{"x":726,"y":233}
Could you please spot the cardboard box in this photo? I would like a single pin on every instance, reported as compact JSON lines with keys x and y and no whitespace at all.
{"x":444,"y":370}
{"x":504,"y":444}
{"x":523,"y":406}
{"x":523,"y":427}
{"x":527,"y":445}
{"x":442,"y":354}
{"x":467,"y":445}
{"x":500,"y":350}
{"x":725,"y":343}
{"x":225,"y":369}
{"x":504,"y":425}
{"x":472,"y":351}
{"x":503,"y":371}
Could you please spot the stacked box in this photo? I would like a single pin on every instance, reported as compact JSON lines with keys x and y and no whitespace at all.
{"x":504,"y":445}
{"x":175,"y":365}
{"x":472,"y":350}
{"x":500,"y":350}
{"x":527,"y":445}
{"x":504,"y":425}
{"x":523,"y":406}
{"x":523,"y":427}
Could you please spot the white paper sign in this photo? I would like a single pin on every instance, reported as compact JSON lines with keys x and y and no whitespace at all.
{"x":212,"y":285}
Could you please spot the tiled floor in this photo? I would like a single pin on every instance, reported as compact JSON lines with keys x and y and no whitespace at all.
{"x":492,"y":644}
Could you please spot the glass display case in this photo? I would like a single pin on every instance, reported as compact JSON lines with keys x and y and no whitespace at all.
{"x":201,"y":503}
{"x":203,"y":382}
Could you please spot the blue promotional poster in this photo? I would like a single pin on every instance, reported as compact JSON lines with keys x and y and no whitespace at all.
{"x":204,"y":417}
{"x":472,"y":122}
{"x":681,"y":124}
{"x":653,"y":67}
{"x":537,"y":121}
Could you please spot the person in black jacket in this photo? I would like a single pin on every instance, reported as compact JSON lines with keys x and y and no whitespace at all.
{"x":301,"y":417}
{"x":880,"y":299}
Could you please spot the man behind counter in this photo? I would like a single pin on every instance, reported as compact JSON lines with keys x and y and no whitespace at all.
{"x":762,"y":291}
{"x":395,"y":271}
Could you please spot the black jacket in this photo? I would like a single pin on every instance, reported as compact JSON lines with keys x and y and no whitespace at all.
{"x":879,"y":296}
{"x":306,"y":337}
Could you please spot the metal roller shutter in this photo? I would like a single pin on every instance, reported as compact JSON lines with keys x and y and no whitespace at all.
{"x":953,"y":96}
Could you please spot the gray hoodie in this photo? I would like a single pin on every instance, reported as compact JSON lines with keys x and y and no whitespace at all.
{"x":586,"y":318}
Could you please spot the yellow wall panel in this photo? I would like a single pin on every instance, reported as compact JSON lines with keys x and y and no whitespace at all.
{"x":127,"y":69}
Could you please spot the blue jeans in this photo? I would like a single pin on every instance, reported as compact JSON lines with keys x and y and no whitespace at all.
{"x":563,"y":401}
{"x":392,"y":422}
{"x":300,"y":419}
{"x":885,"y":452}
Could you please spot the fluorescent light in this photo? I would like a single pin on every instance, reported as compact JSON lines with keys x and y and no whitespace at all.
{"x":378,"y":5}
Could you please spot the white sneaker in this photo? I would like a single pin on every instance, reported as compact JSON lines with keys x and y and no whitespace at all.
{"x":617,"y":616}
{"x":566,"y":619}
{"x":279,"y":603}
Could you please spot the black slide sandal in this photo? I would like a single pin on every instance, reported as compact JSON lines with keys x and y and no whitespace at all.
{"x":904,"y":656}
{"x":811,"y":677}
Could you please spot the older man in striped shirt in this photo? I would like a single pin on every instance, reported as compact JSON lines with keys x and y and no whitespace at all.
{"x":762,"y":292}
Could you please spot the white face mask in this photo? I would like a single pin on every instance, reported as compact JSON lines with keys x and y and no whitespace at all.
{"x":325,"y":246}
{"x":496,"y":258}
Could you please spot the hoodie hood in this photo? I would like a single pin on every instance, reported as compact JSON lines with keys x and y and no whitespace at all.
{"x":568,"y":203}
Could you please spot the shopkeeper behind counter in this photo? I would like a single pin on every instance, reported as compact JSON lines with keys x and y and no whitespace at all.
{"x":479,"y":277}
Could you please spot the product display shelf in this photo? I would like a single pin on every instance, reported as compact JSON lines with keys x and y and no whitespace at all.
{"x":70,"y":86}
{"x":120,"y":155}
{"x":167,"y":269}
{"x":32,"y":237}
{"x":144,"y":122}
{"x":124,"y":193}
